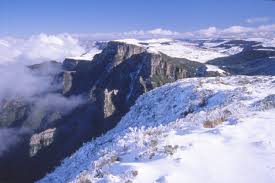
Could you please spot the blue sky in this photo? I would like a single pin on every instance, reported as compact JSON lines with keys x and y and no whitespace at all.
{"x":27,"y":17}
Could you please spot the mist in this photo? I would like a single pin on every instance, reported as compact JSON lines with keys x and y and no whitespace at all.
{"x":9,"y":137}
{"x":36,"y":87}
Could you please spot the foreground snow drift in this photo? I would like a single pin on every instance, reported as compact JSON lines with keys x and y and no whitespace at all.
{"x":194,"y":130}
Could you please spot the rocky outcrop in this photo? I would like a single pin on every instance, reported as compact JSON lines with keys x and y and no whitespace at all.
{"x":67,"y":81}
{"x":41,"y":140}
{"x":13,"y":112}
{"x":46,"y":68}
{"x":71,"y":64}
{"x":88,"y":73}
{"x":109,"y":107}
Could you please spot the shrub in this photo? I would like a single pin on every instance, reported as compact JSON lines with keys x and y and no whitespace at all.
{"x":213,"y":123}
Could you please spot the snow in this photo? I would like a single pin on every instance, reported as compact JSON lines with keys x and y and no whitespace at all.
{"x":226,"y":155}
{"x":183,"y":49}
{"x":87,"y":56}
{"x":209,"y":44}
{"x":215,"y":69}
{"x":264,"y":41}
{"x":266,"y":49}
{"x":269,"y":43}
{"x":165,"y":137}
{"x":230,"y":51}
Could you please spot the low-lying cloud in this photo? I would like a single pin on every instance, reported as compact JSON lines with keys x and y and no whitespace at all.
{"x":9,"y":137}
{"x":38,"y":48}
{"x":17,"y":80}
{"x":35,"y":87}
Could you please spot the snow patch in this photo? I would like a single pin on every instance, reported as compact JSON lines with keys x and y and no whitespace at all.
{"x":265,"y":49}
{"x":215,"y":69}
{"x":87,"y":56}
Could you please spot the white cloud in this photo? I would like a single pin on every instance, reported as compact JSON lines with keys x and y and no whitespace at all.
{"x":43,"y":47}
{"x":163,"y":32}
{"x":209,"y":32}
{"x":19,"y":82}
{"x":237,"y":30}
{"x":257,"y":20}
{"x":137,"y":34}
{"x":263,"y":31}
{"x":9,"y":137}
{"x":39,"y":48}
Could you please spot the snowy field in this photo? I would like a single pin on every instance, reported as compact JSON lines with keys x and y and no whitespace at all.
{"x":184,"y":49}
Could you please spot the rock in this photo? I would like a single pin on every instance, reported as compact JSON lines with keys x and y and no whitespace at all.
{"x":46,"y":68}
{"x":109,"y":107}
{"x":71,"y":64}
{"x":13,"y":112}
{"x":41,"y":140}
{"x":266,"y":103}
{"x":67,"y":81}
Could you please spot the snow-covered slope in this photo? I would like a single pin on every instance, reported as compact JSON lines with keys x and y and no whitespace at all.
{"x":91,"y":49}
{"x":89,"y":55}
{"x":264,"y":42}
{"x":190,"y":50}
{"x":214,"y":130}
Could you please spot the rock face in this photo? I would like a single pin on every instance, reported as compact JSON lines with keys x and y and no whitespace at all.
{"x":43,"y":139}
{"x":110,"y":84}
{"x":67,"y":81}
{"x":109,"y":107}
{"x":13,"y":112}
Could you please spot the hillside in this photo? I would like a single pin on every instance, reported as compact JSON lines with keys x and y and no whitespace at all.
{"x":57,"y":106}
{"x":219,"y":129}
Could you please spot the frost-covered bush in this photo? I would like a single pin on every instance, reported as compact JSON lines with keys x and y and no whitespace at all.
{"x":266,"y":103}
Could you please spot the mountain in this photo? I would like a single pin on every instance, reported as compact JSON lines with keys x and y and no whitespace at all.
{"x":215,"y":128}
{"x":86,"y":96}
{"x":88,"y":99}
{"x":256,"y":60}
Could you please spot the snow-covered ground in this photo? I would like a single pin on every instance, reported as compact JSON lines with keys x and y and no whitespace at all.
{"x":89,"y":55}
{"x":184,"y":49}
{"x":212,"y":130}
{"x":215,"y":69}
{"x":264,"y":41}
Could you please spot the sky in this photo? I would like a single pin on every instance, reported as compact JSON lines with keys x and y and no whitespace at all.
{"x":27,"y":17}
